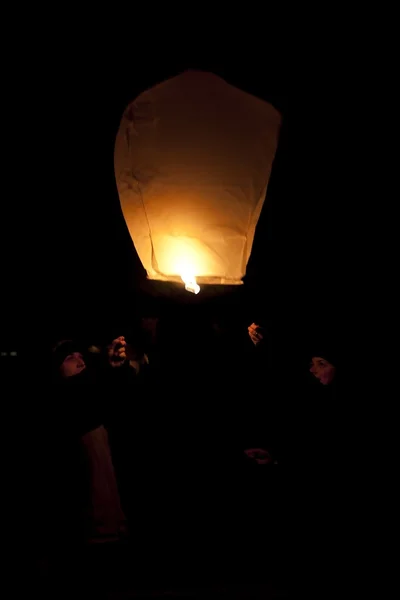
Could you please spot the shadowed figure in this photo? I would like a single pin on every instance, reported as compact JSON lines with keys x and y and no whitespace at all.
{"x":85,"y":490}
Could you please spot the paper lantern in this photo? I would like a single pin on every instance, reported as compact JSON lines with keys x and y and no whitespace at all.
{"x":193,"y":157}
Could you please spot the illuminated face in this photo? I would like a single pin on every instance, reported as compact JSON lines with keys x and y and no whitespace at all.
{"x":322,"y":370}
{"x":73,"y":364}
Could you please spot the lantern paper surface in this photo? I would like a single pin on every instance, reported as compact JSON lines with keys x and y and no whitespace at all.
{"x":193,"y":156}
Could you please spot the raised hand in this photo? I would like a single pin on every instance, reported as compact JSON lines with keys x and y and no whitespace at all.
{"x":255,"y":333}
{"x":117,"y":352}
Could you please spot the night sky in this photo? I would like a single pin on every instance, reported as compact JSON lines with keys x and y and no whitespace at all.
{"x":96,"y":284}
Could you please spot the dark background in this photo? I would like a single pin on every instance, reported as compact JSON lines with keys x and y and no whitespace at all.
{"x":293,"y":264}
{"x":71,"y":268}
{"x":78,"y":272}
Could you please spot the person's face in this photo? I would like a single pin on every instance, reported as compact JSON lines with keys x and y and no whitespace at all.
{"x":322,"y":370}
{"x":73,"y":364}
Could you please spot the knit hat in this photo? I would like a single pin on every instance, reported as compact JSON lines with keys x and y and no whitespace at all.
{"x":327,"y":348}
{"x":63,"y":348}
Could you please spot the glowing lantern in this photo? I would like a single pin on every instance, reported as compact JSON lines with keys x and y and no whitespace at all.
{"x":192,"y":160}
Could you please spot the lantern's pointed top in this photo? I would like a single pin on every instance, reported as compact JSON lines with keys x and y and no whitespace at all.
{"x":206,"y":80}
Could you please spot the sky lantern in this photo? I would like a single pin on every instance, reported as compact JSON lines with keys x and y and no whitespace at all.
{"x":193,"y":157}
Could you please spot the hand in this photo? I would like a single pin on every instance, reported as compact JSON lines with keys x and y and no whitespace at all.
{"x":261,"y":456}
{"x":255,"y":333}
{"x":117,"y":352}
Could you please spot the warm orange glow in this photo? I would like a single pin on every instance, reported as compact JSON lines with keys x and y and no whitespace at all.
{"x":191,"y":284}
{"x":184,"y":266}
{"x":192,"y":177}
{"x":186,"y":257}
